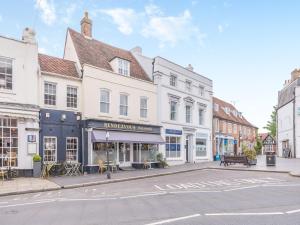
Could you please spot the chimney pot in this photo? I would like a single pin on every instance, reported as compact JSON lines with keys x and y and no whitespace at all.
{"x":190,"y":67}
{"x":29,"y":35}
{"x":86,"y":25}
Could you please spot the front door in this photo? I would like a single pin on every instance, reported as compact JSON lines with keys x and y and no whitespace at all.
{"x":124,"y":154}
{"x":187,"y":149}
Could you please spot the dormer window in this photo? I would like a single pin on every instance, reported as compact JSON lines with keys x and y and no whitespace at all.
{"x":123,"y":67}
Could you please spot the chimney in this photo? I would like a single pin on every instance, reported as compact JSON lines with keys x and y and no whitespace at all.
{"x":29,"y":35}
{"x":295,"y":74}
{"x":137,"y":50}
{"x":190,"y":67}
{"x":86,"y":25}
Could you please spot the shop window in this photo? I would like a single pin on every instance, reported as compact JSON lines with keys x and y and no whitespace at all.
{"x":5,"y":73}
{"x":99,"y":151}
{"x":200,"y":147}
{"x":71,"y":97}
{"x":8,"y":142}
{"x":50,"y":149}
{"x":173,"y":147}
{"x":49,"y":93}
{"x":72,"y":149}
{"x":104,"y":101}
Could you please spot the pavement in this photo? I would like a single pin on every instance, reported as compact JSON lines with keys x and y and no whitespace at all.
{"x":207,"y":197}
{"x":28,"y":185}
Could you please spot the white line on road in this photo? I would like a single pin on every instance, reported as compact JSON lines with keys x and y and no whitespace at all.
{"x":241,"y":188}
{"x":244,"y":214}
{"x":293,"y":211}
{"x":37,"y":195}
{"x":174,"y":219}
{"x":3,"y":202}
{"x":143,"y":195}
{"x":29,"y":203}
{"x":184,"y":192}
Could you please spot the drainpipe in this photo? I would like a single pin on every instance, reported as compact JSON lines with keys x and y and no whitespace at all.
{"x":294,"y":122}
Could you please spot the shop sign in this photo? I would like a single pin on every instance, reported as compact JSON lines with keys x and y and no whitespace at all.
{"x":172,"y":131}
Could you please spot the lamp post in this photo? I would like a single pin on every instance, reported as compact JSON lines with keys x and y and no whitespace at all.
{"x":107,"y":155}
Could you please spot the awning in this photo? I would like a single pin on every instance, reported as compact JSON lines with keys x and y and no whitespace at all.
{"x":127,"y":137}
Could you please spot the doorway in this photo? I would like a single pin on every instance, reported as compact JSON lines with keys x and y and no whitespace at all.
{"x":188,"y":148}
{"x":124,"y":154}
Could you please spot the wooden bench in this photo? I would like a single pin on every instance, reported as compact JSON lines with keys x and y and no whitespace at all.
{"x":234,"y":159}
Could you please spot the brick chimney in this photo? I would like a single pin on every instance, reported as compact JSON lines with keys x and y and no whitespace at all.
{"x":86,"y":25}
{"x":29,"y":35}
{"x":295,"y":74}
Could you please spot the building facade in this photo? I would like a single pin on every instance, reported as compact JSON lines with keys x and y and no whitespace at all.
{"x":60,"y":110}
{"x":288,"y":118}
{"x":19,"y":102}
{"x":184,"y":109}
{"x":119,"y":102}
{"x":231,"y":130}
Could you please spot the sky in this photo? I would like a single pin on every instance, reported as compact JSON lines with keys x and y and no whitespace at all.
{"x":248,"y":48}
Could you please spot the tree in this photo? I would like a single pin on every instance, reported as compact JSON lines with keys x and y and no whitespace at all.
{"x":272,"y":124}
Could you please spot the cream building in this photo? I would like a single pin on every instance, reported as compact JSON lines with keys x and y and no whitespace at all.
{"x":118,"y":99}
{"x":184,"y":109}
{"x":19,"y":99}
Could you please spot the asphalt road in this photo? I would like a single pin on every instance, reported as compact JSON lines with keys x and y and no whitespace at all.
{"x":201,"y":197}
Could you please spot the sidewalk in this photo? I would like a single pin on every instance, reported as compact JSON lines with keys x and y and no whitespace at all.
{"x":27,"y":185}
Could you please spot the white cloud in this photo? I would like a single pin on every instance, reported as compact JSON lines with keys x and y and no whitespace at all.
{"x":47,"y":10}
{"x":123,"y":18}
{"x":220,"y":28}
{"x":152,"y":10}
{"x":42,"y":50}
{"x":69,"y":13}
{"x":172,"y":29}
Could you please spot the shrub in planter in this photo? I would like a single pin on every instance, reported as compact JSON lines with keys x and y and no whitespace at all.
{"x":161,"y":160}
{"x":37,"y":165}
{"x":251,"y":156}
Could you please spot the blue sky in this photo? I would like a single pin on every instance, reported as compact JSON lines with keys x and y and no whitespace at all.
{"x":248,"y":48}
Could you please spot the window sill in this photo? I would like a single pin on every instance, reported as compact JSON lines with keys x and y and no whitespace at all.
{"x":124,"y":118}
{"x":144,"y":120}
{"x":50,"y":106}
{"x":106,"y":115}
{"x":4,"y":91}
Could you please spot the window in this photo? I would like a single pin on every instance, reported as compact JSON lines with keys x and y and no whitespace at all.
{"x":201,"y":91}
{"x":99,"y":151}
{"x":224,"y":127}
{"x":71,"y":149}
{"x":201,"y":116}
{"x":229,"y":128}
{"x":173,"y":80}
{"x":188,"y":85}
{"x":8,"y":142}
{"x":172,"y":147}
{"x":200,"y":147}
{"x":216,"y":107}
{"x":104,"y":101}
{"x":235,"y":129}
{"x":50,"y":147}
{"x":173,"y":110}
{"x":124,"y":105}
{"x":71,"y":97}
{"x":49,"y":93}
{"x":5,"y":73}
{"x":188,"y":114}
{"x":217,"y":125}
{"x":123,"y":68}
{"x":143,"y":107}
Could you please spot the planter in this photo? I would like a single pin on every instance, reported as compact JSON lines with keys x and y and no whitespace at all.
{"x":253,"y":162}
{"x":37,"y":169}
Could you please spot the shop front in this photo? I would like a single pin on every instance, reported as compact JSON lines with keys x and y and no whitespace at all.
{"x":224,"y":145}
{"x":127,"y":144}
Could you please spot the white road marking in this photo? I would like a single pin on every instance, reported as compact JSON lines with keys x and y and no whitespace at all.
{"x":241,"y":188}
{"x":158,"y":187}
{"x":28,"y":203}
{"x":85,"y":199}
{"x":94,"y":189}
{"x":3,"y":202}
{"x":293,"y":211}
{"x":244,"y":214}
{"x":37,"y":195}
{"x":143,"y":195}
{"x":16,"y":199}
{"x":174,"y":219}
{"x":184,"y":192}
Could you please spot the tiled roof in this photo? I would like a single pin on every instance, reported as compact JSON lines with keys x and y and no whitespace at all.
{"x":59,"y":66}
{"x":230,"y":116}
{"x":263,"y":136}
{"x":99,"y":54}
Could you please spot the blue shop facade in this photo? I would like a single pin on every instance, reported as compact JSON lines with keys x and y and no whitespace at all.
{"x":60,"y":136}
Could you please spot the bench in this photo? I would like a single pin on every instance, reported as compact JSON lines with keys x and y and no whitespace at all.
{"x":234,"y":159}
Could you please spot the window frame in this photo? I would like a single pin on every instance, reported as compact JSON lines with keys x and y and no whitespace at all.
{"x":145,"y":109}
{"x":123,"y":67}
{"x":47,"y":95}
{"x":201,"y":117}
{"x":124,"y":106}
{"x":177,"y":143}
{"x":7,"y":62}
{"x":171,"y":81}
{"x":190,"y":115}
{"x":75,"y":138}
{"x":201,"y":90}
{"x":188,"y":85}
{"x":105,"y":102}
{"x":174,"y":111}
{"x":53,"y":137}
{"x":73,"y":99}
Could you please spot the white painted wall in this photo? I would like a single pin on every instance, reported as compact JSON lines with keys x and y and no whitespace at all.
{"x":297,"y":120}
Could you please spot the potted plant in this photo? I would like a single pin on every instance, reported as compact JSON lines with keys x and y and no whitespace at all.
{"x":37,"y":165}
{"x":251,"y":156}
{"x":161,"y":160}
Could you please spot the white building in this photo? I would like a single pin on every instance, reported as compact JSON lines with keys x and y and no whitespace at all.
{"x":19,"y":99}
{"x":117,"y":97}
{"x":184,"y":109}
{"x":288,"y":117}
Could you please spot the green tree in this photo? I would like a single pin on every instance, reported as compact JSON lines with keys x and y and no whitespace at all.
{"x":271,"y":124}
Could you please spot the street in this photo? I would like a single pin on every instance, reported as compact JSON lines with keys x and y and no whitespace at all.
{"x":199,"y":197}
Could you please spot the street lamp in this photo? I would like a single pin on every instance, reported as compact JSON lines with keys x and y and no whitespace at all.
{"x":107,"y":155}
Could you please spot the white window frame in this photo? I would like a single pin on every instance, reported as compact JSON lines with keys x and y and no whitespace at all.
{"x":202,"y":117}
{"x":125,"y":106}
{"x":75,"y":138}
{"x":145,"y":109}
{"x":188,"y":85}
{"x":72,"y":100}
{"x":54,"y":137}
{"x":175,"y":111}
{"x":201,"y":90}
{"x":190,"y":115}
{"x":50,"y":94}
{"x":105,"y":102}
{"x":7,"y":62}
{"x":198,"y":147}
{"x":123,"y":67}
{"x":178,"y":155}
{"x":173,"y":82}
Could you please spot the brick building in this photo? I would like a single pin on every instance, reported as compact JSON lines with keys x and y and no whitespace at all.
{"x":231,"y":130}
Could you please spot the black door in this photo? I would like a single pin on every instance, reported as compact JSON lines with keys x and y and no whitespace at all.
{"x":187,"y":149}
